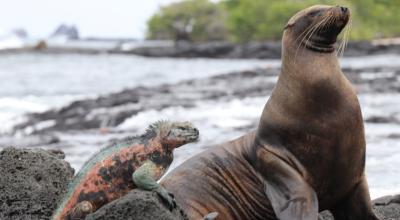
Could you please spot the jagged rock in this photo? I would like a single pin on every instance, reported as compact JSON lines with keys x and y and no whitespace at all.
{"x":380,"y":119}
{"x":394,"y":136}
{"x":388,"y":207}
{"x":137,"y":205}
{"x":255,"y":50}
{"x":382,"y":207}
{"x":65,"y":31}
{"x":31,"y":183}
{"x":111,"y":110}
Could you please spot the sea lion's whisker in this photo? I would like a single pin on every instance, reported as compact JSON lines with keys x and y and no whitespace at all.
{"x":301,"y":42}
{"x":304,"y":34}
{"x":309,"y":32}
{"x":345,"y":39}
{"x":341,"y":45}
{"x":320,"y":25}
{"x":348,"y":32}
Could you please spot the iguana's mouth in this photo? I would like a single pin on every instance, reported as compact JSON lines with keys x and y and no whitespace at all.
{"x":192,"y":135}
{"x":193,"y":138}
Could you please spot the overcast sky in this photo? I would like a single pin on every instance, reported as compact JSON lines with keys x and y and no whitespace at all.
{"x":100,"y":18}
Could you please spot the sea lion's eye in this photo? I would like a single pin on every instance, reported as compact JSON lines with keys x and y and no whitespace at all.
{"x":313,"y":13}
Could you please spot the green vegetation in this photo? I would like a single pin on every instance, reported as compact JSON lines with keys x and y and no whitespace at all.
{"x":196,"y":20}
{"x":258,"y":20}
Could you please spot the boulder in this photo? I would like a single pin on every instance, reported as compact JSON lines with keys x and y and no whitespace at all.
{"x":69,"y":32}
{"x":31,"y":182}
{"x":250,"y":50}
{"x":138,"y":205}
{"x":386,"y":208}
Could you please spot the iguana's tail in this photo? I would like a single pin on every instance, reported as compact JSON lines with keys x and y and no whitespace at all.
{"x":210,"y":216}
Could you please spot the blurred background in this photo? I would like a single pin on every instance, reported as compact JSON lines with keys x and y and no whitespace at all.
{"x":77,"y":74}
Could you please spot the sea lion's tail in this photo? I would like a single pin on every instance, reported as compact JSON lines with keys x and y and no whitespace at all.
{"x":210,"y":216}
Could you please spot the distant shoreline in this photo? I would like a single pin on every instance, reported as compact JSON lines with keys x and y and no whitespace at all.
{"x":218,"y":50}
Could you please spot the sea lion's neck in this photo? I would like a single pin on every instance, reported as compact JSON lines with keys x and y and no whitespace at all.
{"x":307,"y":65}
{"x":309,"y":88}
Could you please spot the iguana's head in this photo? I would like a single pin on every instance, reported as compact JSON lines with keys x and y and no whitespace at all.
{"x":174,"y":134}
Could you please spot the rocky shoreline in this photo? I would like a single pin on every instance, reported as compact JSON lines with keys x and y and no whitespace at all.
{"x":253,"y":50}
{"x":222,"y":50}
{"x":33,"y":182}
{"x":111,"y":110}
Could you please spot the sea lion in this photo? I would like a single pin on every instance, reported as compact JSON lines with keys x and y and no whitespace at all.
{"x":308,"y":152}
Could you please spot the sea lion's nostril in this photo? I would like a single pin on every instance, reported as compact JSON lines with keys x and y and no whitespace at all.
{"x":344,"y":9}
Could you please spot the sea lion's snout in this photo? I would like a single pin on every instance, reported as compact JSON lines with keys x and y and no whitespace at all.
{"x":342,"y":14}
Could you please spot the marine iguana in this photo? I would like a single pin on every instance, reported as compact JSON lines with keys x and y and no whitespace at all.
{"x":135,"y":162}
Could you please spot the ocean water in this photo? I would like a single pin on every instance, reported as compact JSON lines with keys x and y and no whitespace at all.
{"x":37,"y":82}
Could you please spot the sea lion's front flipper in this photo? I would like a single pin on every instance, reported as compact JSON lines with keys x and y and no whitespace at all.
{"x":144,"y":178}
{"x":357,"y":205}
{"x":290,"y":195}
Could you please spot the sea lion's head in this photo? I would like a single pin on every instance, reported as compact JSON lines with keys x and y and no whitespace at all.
{"x":316,"y":28}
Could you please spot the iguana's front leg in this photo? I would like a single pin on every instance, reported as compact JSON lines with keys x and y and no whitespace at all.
{"x":81,"y":210}
{"x":145,"y":178}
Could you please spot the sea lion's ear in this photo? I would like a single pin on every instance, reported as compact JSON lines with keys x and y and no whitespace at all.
{"x":288,"y":25}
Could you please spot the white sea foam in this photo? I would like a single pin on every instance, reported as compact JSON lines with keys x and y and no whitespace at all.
{"x":376,"y":75}
{"x":11,"y":41}
{"x":384,"y":60}
{"x":12,"y":109}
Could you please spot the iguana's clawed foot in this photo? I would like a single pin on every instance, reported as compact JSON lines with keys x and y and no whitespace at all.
{"x":81,"y":210}
{"x":167,"y":197}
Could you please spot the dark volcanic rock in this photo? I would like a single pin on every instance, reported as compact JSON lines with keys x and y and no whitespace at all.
{"x":259,"y":50}
{"x":254,"y":50}
{"x":386,"y":208}
{"x":394,"y":136}
{"x":31,"y":183}
{"x":137,"y":205}
{"x":69,"y":32}
{"x":381,"y":119}
{"x":111,"y":110}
